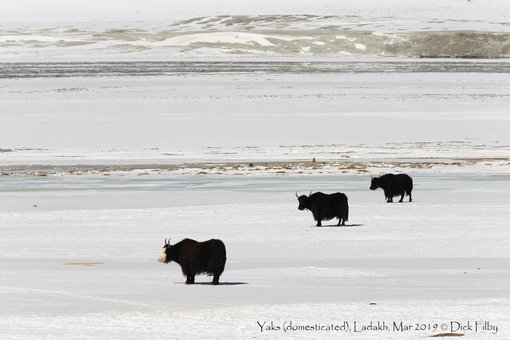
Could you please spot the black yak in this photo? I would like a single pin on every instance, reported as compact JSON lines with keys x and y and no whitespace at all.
{"x":194,"y":257}
{"x":325,"y":207}
{"x":393,"y":185}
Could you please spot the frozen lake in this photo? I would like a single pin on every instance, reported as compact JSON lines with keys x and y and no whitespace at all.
{"x":128,"y":117}
{"x":84,"y":249}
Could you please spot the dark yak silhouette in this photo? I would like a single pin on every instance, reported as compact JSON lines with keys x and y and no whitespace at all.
{"x":393,"y":185}
{"x":194,"y":257}
{"x":325,"y":207}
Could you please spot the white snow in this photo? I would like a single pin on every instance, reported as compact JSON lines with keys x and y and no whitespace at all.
{"x":219,"y":37}
{"x":97,"y":169}
{"x":40,"y":38}
{"x":341,"y":37}
{"x":83,"y":264}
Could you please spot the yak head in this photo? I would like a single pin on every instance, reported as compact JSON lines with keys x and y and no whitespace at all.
{"x":376,"y":183}
{"x":166,"y":253}
{"x":303,"y":201}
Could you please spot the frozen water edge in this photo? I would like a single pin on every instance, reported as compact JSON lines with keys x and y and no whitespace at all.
{"x":437,"y":157}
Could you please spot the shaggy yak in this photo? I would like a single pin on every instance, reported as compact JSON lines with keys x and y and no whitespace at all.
{"x":325,"y":207}
{"x":393,"y":185}
{"x":194,"y":257}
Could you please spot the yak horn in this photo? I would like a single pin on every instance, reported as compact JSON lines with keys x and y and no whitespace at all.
{"x":310,"y":193}
{"x":297,"y":195}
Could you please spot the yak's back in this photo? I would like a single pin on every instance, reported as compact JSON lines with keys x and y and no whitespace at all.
{"x":387,"y":178}
{"x":203,"y":251}
{"x":192,"y":248}
{"x":326,"y":199}
{"x":185,"y":246}
{"x":339,"y":197}
{"x":403,"y":179}
{"x":213,"y":247}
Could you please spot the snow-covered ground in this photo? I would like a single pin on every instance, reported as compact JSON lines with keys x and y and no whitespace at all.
{"x":123,"y":123}
{"x":79,"y":259}
{"x":98,"y":171}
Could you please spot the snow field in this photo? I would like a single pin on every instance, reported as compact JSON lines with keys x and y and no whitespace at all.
{"x":93,"y":272}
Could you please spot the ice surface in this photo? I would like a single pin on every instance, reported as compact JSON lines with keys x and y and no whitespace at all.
{"x":83,"y":263}
{"x":124,"y":123}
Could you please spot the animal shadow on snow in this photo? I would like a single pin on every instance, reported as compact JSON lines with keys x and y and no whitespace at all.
{"x":339,"y":226}
{"x":219,"y":283}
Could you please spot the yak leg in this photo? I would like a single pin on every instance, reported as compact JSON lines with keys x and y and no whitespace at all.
{"x":341,"y":221}
{"x":190,"y":279}
{"x":389,"y":198}
{"x":402,"y":197}
{"x":316,"y":214}
{"x":216,"y":279}
{"x":319,"y":221}
{"x":410,"y":198}
{"x":318,"y":218}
